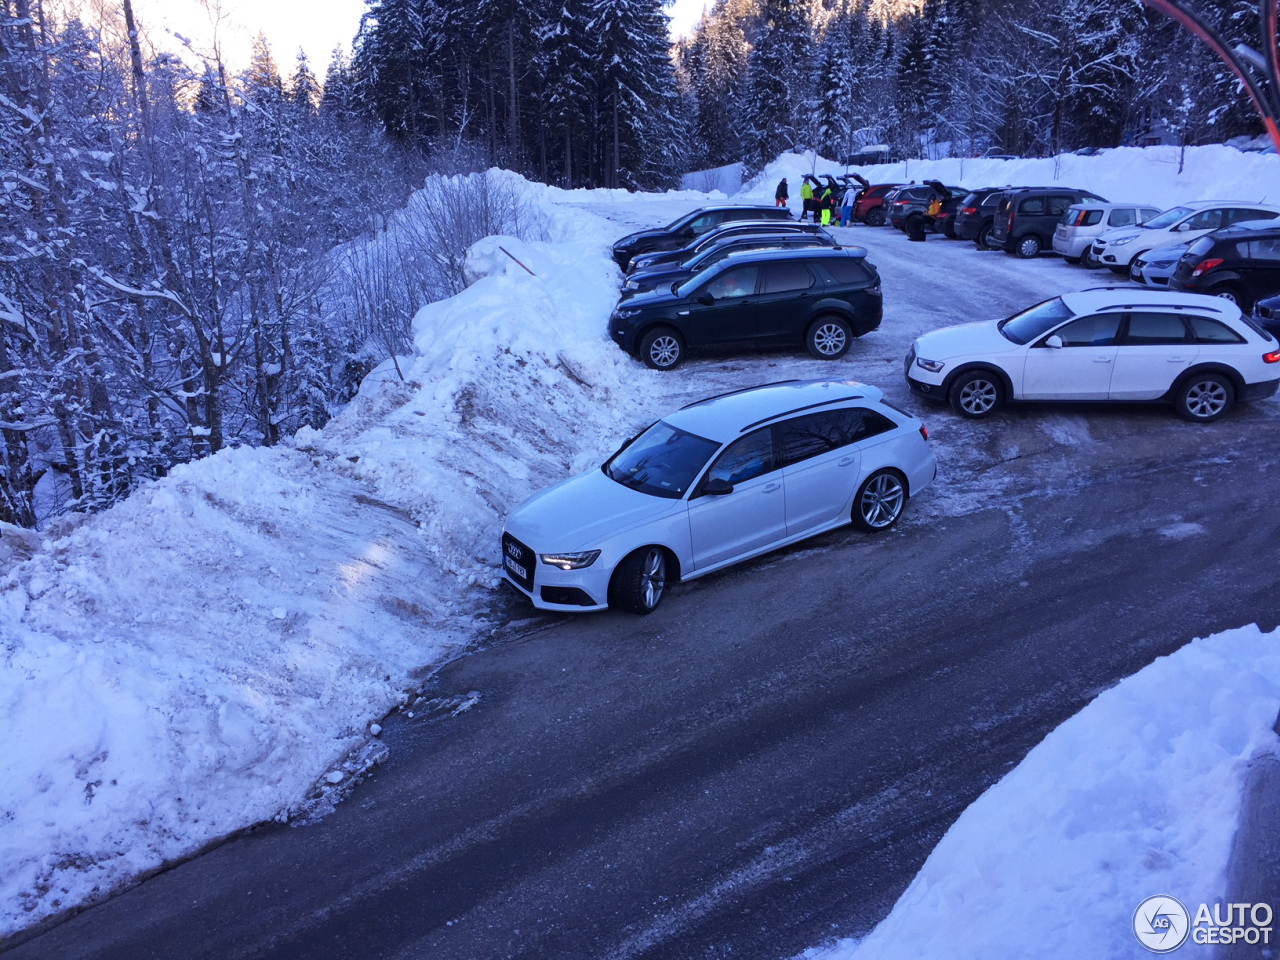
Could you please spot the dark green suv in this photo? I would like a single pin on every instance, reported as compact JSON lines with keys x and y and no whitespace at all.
{"x":820,"y":299}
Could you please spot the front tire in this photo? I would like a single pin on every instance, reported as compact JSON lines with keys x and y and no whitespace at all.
{"x":640,"y":581}
{"x":1204,"y":397}
{"x":879,"y":501}
{"x":828,"y":338}
{"x":1027,"y":247}
{"x":976,"y":394}
{"x":662,"y":348}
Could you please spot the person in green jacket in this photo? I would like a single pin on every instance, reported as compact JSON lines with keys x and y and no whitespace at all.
{"x":806,"y":198}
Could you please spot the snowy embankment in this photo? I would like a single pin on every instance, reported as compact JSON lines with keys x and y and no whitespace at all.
{"x":1132,"y":174}
{"x":209,"y":654}
{"x":1135,"y":796}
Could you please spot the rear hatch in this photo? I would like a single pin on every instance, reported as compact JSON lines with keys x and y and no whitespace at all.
{"x":1002,"y":224}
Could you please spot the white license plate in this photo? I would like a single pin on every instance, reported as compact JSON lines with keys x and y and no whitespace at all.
{"x":516,"y":568}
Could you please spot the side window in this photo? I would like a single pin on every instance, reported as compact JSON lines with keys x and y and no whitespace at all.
{"x":844,"y":269}
{"x":782,"y":277}
{"x":1096,"y":331}
{"x":1091,"y":218}
{"x":1206,"y":220}
{"x":744,"y":459}
{"x":704,"y":223}
{"x":873,"y":424}
{"x":1211,"y":331}
{"x":1058,"y":205}
{"x":1122,"y":217}
{"x":991,"y":200}
{"x":1267,"y":248}
{"x":734,"y":282}
{"x":1152,"y":329}
{"x":1238,"y":214}
{"x":1032,"y":207}
{"x":817,"y":433}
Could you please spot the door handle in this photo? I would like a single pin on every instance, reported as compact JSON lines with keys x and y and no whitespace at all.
{"x":682,"y":313}
{"x":1101,"y":359}
{"x":1176,"y":360}
{"x":770,"y":487}
{"x":845,"y":462}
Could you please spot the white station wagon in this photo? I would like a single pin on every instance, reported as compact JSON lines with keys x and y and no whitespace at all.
{"x":715,"y":483}
{"x":1108,"y":343}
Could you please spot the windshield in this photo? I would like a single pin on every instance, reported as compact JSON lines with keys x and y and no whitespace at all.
{"x":663,"y":461}
{"x":1166,"y":219}
{"x":1026,"y":326}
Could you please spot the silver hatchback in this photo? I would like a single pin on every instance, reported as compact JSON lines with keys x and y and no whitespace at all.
{"x":1082,"y":223}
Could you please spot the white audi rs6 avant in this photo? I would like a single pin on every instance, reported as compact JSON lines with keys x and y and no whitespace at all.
{"x":717,"y":482}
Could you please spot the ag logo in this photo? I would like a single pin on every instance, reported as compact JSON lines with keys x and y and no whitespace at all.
{"x":1161,"y":924}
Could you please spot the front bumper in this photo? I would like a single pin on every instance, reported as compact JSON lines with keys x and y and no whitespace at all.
{"x":550,"y":588}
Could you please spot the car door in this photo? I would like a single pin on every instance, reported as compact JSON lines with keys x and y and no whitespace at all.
{"x":729,"y":525}
{"x":1152,"y":351}
{"x":720,"y":312}
{"x":787,"y":288}
{"x":819,"y":466}
{"x":1080,"y":369}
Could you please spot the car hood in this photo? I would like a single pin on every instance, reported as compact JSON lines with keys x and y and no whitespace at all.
{"x":582,"y":512}
{"x":648,"y":298}
{"x":1123,"y":233}
{"x":964,"y":340}
{"x":632,"y":238}
{"x":1166,"y":254}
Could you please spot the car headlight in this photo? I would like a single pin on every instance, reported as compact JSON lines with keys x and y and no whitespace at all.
{"x":631,"y":285}
{"x":571,"y":561}
{"x":1122,"y":241}
{"x":933,"y":366}
{"x":625,"y":314}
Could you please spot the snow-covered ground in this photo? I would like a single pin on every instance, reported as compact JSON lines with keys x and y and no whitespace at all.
{"x":1135,"y":796}
{"x":211,"y":653}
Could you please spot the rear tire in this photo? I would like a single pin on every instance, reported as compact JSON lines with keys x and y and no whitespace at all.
{"x":1027,"y":246}
{"x":911,"y":225}
{"x":1204,"y":397}
{"x":828,"y":338}
{"x":662,"y":348}
{"x":1230,"y":293}
{"x":640,"y":581}
{"x":984,"y":234}
{"x":875,"y":217}
{"x":879,"y":501}
{"x":976,"y":394}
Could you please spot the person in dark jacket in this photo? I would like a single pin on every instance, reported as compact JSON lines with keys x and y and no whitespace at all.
{"x":920,"y":224}
{"x":781,"y":196}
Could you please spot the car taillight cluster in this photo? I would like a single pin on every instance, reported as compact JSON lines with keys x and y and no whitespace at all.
{"x":1010,"y":219}
{"x":1206,"y":265}
{"x":924,"y":431}
{"x":1081,"y":217}
{"x":970,"y":210}
{"x":1272,"y":357}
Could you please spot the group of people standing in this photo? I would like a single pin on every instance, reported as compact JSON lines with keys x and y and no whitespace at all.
{"x":823,"y":200}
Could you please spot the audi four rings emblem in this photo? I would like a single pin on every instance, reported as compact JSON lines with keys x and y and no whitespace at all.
{"x":513,"y":551}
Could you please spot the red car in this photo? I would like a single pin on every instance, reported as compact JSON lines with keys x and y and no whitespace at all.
{"x":869,"y":207}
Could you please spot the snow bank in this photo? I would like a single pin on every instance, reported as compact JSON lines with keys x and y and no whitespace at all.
{"x":1135,"y":174}
{"x":1136,"y":795}
{"x":209,"y":653}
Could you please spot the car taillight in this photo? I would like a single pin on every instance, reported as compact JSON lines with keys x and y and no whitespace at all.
{"x":1010,"y":219}
{"x":970,"y":210}
{"x":1206,"y":265}
{"x":1273,"y":357}
{"x":1081,"y":217}
{"x":898,"y":203}
{"x":924,"y":431}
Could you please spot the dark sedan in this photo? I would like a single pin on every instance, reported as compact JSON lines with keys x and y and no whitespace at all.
{"x":735,"y":228}
{"x":693,"y":224}
{"x":663,"y":275}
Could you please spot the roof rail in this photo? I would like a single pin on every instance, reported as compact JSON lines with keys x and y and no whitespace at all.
{"x":730,"y":393}
{"x":808,"y":406}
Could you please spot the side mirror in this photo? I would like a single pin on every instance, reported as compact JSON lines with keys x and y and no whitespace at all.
{"x":1055,"y":341}
{"x":717,"y":487}
{"x":706,"y":299}
{"x":1180,"y":228}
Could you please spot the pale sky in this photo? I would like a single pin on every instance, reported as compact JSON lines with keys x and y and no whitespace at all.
{"x":317,"y":26}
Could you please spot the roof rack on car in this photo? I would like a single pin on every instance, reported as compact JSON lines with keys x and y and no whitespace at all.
{"x":807,"y":406}
{"x":730,"y":393}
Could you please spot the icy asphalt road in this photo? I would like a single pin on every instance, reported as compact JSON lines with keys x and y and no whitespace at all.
{"x":767,"y":760}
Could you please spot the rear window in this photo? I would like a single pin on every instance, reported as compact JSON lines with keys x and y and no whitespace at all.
{"x":846,"y":270}
{"x":991,"y":199}
{"x":1201,"y":246}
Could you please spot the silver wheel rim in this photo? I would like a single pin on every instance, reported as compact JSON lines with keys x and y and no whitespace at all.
{"x":1030,"y":248}
{"x":829,"y":339}
{"x":653,"y":578}
{"x":882,"y":501}
{"x":1206,"y":399}
{"x":664,"y":351}
{"x":978,"y":397}
{"x":1228,"y":296}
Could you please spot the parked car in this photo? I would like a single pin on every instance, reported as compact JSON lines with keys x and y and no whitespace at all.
{"x":713,"y":484}
{"x":734,"y":228}
{"x":1107,"y":343}
{"x":1155,"y":267}
{"x":914,"y":202}
{"x":1082,"y":223}
{"x":869,"y":207}
{"x":945,"y":222}
{"x":1266,"y":315}
{"x":820,"y":299}
{"x":1240,"y":264}
{"x":663,"y":275}
{"x":1118,"y":249}
{"x":693,"y":224}
{"x":1025,"y":218}
{"x":975,"y":213}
